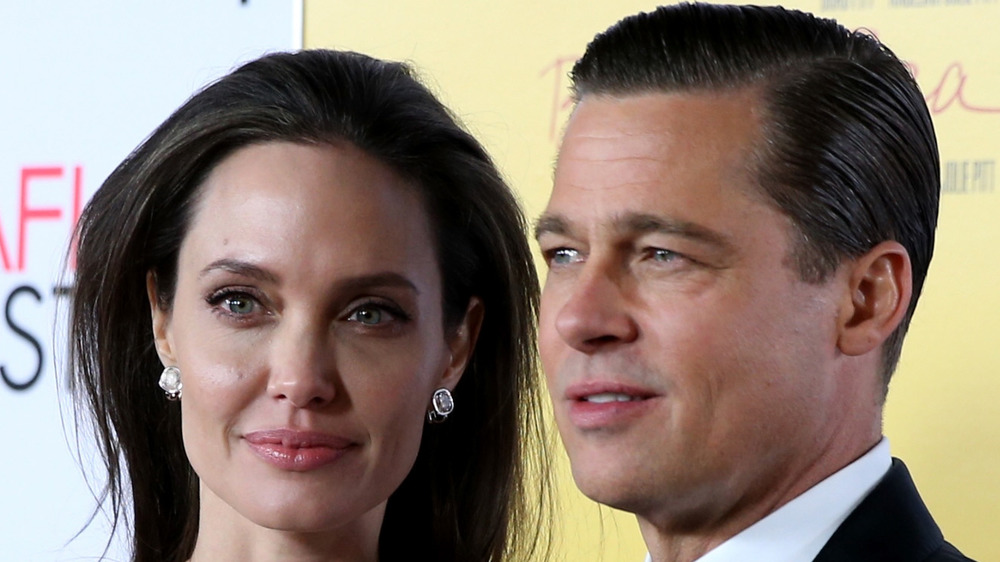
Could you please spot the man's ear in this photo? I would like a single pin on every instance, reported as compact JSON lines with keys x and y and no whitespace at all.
{"x":160,"y":317}
{"x":461,"y":343}
{"x":880,"y":283}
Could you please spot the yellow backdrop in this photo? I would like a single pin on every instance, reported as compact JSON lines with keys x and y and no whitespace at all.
{"x":501,"y":66}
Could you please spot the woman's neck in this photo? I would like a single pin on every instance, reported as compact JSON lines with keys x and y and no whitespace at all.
{"x":224,"y":534}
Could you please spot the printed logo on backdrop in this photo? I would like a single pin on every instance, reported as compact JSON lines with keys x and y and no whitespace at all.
{"x":949,"y":90}
{"x":45,"y":211}
{"x":853,"y":5}
{"x":86,"y":85}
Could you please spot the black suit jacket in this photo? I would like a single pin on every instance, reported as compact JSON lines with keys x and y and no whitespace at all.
{"x":891,"y":524}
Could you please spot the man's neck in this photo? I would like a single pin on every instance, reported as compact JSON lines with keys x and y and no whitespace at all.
{"x":685,"y":537}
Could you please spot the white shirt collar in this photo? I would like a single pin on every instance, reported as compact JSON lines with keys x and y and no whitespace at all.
{"x":797,"y":531}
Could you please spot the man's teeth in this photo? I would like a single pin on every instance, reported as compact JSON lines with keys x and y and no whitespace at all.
{"x":606,"y":397}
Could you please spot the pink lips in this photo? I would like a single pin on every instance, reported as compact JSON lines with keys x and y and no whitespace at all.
{"x":606,"y":405}
{"x":295,"y":450}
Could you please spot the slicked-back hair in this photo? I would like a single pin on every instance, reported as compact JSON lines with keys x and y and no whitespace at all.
{"x":848,"y":150}
{"x":476,"y":491}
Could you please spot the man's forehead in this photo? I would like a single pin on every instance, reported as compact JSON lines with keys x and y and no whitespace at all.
{"x":672,"y":163}
{"x":646,"y":111}
{"x":662,"y":127}
{"x":638,"y":144}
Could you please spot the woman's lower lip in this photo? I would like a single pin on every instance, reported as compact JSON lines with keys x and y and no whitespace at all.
{"x":606,"y":415}
{"x":297,"y":459}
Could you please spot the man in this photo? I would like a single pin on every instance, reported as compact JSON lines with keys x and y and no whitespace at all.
{"x":742,"y":220}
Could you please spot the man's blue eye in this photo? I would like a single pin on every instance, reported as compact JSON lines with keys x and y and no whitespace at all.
{"x":564,"y":256}
{"x":659,"y":254}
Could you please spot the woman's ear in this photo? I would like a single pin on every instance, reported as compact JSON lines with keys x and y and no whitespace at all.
{"x":160,"y":317}
{"x":880,"y":283}
{"x":461,"y":343}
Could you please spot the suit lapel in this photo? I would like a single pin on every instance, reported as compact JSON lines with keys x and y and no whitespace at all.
{"x":891,"y":524}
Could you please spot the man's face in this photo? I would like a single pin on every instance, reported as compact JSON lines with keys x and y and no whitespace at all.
{"x":689,"y":366}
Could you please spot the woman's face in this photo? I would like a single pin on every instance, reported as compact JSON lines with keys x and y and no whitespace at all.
{"x":307,"y":325}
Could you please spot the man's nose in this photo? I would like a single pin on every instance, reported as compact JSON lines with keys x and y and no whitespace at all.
{"x":302,"y":366}
{"x":596,"y":312}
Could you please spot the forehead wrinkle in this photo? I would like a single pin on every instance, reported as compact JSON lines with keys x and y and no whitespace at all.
{"x":617,"y":146}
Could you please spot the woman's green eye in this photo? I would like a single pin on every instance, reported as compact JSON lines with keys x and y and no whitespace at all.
{"x":367,"y":316}
{"x":239,"y":305}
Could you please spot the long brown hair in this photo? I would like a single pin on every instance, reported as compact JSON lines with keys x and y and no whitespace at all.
{"x":479,"y":486}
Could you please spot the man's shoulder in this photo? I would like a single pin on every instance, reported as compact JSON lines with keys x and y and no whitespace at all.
{"x":947,"y":553}
{"x":891,"y":524}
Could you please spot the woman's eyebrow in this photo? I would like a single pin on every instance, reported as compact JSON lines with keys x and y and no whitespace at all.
{"x":367,"y":281}
{"x":239,"y":267}
{"x":382,"y":279}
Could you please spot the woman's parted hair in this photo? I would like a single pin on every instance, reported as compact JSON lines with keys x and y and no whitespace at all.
{"x":467,"y":497}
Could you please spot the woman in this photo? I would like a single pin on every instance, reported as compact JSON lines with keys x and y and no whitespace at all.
{"x":304,"y":322}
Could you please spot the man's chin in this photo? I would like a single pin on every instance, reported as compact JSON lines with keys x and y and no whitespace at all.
{"x":612,"y":488}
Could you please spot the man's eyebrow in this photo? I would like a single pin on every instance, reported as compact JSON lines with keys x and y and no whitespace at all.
{"x":643,"y":223}
{"x":240,"y":267}
{"x":550,"y":224}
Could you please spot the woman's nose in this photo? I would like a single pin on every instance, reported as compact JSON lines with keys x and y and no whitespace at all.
{"x":302,"y":366}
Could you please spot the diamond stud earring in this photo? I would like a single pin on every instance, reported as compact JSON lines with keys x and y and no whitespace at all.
{"x":170,"y":382}
{"x":442,"y":404}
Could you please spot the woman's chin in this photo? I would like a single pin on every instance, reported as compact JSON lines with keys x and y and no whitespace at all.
{"x":312,"y":516}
